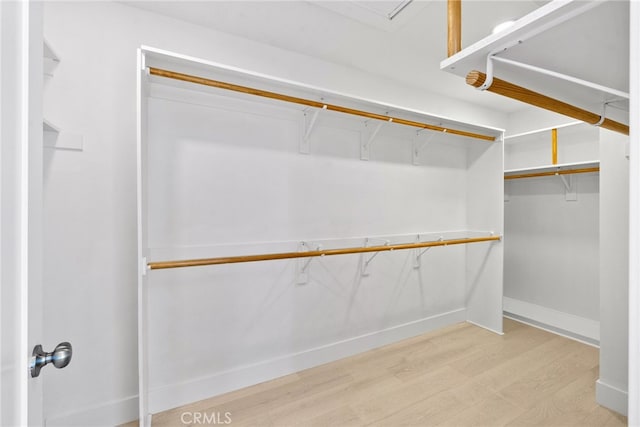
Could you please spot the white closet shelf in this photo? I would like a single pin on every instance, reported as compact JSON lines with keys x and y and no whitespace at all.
{"x":542,"y":130}
{"x":575,"y":52}
{"x":49,"y":127}
{"x":552,"y":169}
{"x":185,"y":72}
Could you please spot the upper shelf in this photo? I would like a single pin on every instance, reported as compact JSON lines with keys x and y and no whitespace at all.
{"x":584,"y":40}
{"x":170,"y":69}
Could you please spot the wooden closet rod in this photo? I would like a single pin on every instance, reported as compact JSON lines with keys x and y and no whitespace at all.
{"x":307,"y":254}
{"x":551,"y":173}
{"x":308,"y":102}
{"x":476,"y":79}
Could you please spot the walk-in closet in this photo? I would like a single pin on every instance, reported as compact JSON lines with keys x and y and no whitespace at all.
{"x":271,"y":167}
{"x":312,"y":213}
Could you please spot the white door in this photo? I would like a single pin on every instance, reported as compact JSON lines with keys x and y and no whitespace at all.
{"x":21,"y":46}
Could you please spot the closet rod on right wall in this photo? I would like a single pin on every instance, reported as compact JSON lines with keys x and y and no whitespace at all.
{"x":477,"y":78}
{"x":552,"y":173}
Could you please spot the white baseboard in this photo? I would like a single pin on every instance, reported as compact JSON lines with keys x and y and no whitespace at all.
{"x":569,"y":325}
{"x":175,"y":395}
{"x":611,"y":397}
{"x":108,"y":414}
{"x":484,"y":327}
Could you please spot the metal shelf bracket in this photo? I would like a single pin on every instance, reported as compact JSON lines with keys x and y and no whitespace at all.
{"x":364,"y":270}
{"x":419,"y":145}
{"x":302,"y":264}
{"x":309,"y":121}
{"x":367,"y":137}
{"x":570,"y":193}
{"x":419,"y":252}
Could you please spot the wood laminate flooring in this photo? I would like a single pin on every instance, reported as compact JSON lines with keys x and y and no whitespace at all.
{"x":461,"y":375}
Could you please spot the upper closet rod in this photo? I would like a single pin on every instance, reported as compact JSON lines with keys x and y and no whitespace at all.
{"x":476,"y":79}
{"x":307,"y":254}
{"x":308,"y":102}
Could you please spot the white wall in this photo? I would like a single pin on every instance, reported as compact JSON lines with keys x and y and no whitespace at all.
{"x":577,"y":143}
{"x":551,"y":244}
{"x":611,"y":389}
{"x":90,"y":258}
{"x":484,"y":212}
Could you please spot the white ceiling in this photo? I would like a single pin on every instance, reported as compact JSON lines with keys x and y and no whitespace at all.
{"x":407,"y":48}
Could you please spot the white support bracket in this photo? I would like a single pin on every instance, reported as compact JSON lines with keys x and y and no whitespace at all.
{"x":419,"y":145}
{"x":364,"y":271}
{"x":488,"y":81}
{"x":570,"y":193}
{"x":603,"y":115}
{"x":302,"y":265}
{"x":309,"y":121}
{"x":419,"y":252}
{"x":145,"y":266}
{"x":367,"y":137}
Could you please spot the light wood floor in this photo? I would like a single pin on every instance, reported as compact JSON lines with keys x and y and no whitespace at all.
{"x":462,"y":375}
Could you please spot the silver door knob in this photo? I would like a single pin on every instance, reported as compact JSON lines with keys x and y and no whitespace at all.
{"x":59,"y":357}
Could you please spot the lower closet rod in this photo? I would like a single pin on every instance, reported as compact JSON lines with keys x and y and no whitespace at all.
{"x":287,"y":255}
{"x":552,"y":173}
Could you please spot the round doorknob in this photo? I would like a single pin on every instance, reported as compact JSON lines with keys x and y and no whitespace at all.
{"x":59,"y":357}
{"x":62,"y":355}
